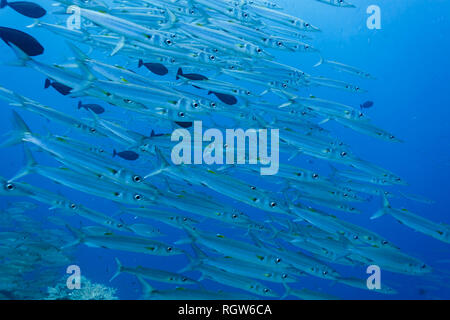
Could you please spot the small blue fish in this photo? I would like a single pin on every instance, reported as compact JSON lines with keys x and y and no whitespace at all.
{"x":127,"y":155}
{"x":61,"y":88}
{"x":190,"y":76}
{"x":225,"y":98}
{"x":28,"y":9}
{"x":22,"y":40}
{"x":366,"y":105}
{"x":94,"y":107}
{"x":184,"y":124}
{"x":157,"y":68}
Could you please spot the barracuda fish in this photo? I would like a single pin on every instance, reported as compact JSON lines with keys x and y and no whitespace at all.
{"x":418,"y":223}
{"x":19,"y":101}
{"x":233,"y":280}
{"x":153,"y":274}
{"x":172,"y":219}
{"x":221,"y":39}
{"x":284,"y":19}
{"x":337,"y":3}
{"x":124,"y":243}
{"x":250,"y":270}
{"x":55,"y":201}
{"x":180,"y":293}
{"x":345,"y":68}
{"x":234,"y":248}
{"x":306,"y":294}
{"x":61,"y":149}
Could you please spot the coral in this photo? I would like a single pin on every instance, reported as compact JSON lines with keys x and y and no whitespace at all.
{"x":88,"y":291}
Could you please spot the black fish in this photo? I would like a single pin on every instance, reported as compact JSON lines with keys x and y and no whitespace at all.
{"x":61,"y":88}
{"x":156,"y":68}
{"x":184,"y":124}
{"x":366,"y":105}
{"x":190,"y":76}
{"x":94,"y":107}
{"x":225,"y":98}
{"x":127,"y":155}
{"x":28,"y":9}
{"x":22,"y":40}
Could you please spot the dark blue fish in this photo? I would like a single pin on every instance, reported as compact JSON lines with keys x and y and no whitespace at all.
{"x":366,"y":105}
{"x":156,"y":68}
{"x":28,"y":9}
{"x":22,"y":40}
{"x":225,"y":98}
{"x":153,"y":134}
{"x":190,"y":76}
{"x":94,"y":107}
{"x":127,"y":155}
{"x":184,"y":124}
{"x":61,"y":88}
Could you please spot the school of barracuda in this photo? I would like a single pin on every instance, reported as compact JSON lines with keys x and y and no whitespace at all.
{"x":211,"y":52}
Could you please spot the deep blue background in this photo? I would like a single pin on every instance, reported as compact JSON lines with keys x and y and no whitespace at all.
{"x":409,"y":57}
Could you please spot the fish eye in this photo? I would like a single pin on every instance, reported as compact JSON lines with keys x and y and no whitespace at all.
{"x":273,"y":204}
{"x":184,"y":279}
{"x":306,"y":24}
{"x":325,"y":273}
{"x":181,"y":114}
{"x":195,"y":104}
{"x":343,"y":154}
{"x":277,"y":260}
{"x":212,"y":58}
{"x":234,"y":216}
{"x":258,"y":50}
{"x":315,"y":175}
{"x":266,"y":290}
{"x":245,"y":15}
{"x":213,"y":104}
{"x":169,"y":249}
{"x":253,"y":187}
{"x":127,"y":100}
{"x":93,"y":130}
{"x":10,"y":186}
{"x":284,"y":85}
{"x":355,"y":237}
{"x":423,"y":266}
{"x":248,"y":93}
{"x":284,"y":275}
{"x":73,"y":206}
{"x":137,"y":179}
{"x":384,"y":242}
{"x":137,"y":197}
{"x":184,"y":219}
{"x":391,"y":137}
{"x":168,"y":42}
{"x":172,"y":60}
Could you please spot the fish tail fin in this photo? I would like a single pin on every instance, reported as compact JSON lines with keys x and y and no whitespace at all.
{"x":287,"y":292}
{"x":140,"y":63}
{"x":79,"y":237}
{"x":22,"y":57}
{"x":179,"y":73}
{"x":118,"y":271}
{"x":171,"y":19}
{"x":321,"y":61}
{"x":47,"y":83}
{"x":194,"y":261}
{"x":30,"y":164}
{"x":34,"y":24}
{"x":20,"y":130}
{"x":383,"y":210}
{"x":147,"y":289}
{"x":163,"y":163}
{"x":3,"y":4}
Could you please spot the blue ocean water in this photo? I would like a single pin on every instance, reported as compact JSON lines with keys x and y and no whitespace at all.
{"x":408,"y":56}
